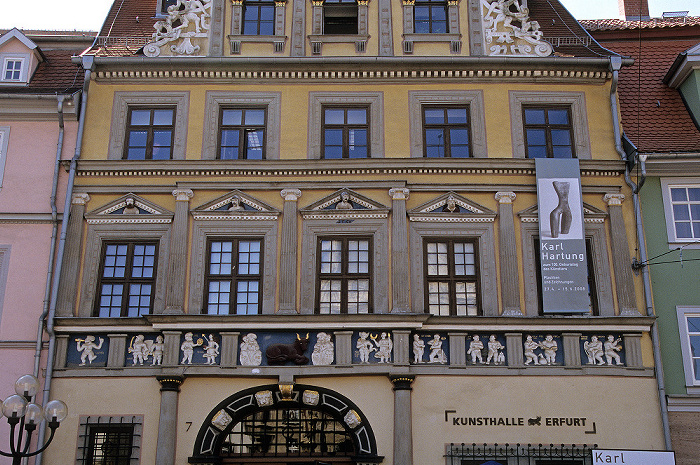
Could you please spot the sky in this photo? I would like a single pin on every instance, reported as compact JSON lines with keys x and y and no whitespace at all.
{"x":88,"y":15}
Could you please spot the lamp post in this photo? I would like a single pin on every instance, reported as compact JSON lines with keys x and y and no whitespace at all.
{"x":24,"y":416}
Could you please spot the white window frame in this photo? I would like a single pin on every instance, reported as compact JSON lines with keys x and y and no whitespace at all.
{"x":22,"y":70}
{"x":683,"y":313}
{"x":4,"y":143}
{"x":666,"y":185}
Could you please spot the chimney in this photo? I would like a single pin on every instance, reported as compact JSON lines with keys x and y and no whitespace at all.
{"x":634,"y":10}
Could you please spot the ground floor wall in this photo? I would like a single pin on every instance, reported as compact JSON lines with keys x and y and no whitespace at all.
{"x":685,"y":431}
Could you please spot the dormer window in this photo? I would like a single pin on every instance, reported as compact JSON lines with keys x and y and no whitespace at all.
{"x":12,"y":69}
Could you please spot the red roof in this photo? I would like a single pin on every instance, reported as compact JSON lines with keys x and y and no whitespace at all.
{"x":654,"y":23}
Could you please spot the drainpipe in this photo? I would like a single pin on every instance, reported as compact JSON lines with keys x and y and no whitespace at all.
{"x":88,"y":65}
{"x":615,"y":64}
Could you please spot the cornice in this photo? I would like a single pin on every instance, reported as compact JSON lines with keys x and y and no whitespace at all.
{"x":28,"y":218}
{"x":33,"y":107}
{"x":673,"y":164}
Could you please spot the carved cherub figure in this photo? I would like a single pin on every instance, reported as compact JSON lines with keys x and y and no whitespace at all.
{"x":418,"y":349}
{"x":612,"y":347}
{"x":437,"y":355}
{"x":187,"y":348}
{"x":494,"y":347}
{"x":211,"y":350}
{"x":87,"y":346}
{"x":530,"y":346}
{"x":364,"y":346}
{"x":157,"y":351}
{"x":594,"y":351}
{"x":475,"y":348}
{"x":549,"y":345}
{"x":384,"y":348}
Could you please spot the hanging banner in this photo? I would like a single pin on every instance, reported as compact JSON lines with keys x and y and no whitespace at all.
{"x":562,"y":248}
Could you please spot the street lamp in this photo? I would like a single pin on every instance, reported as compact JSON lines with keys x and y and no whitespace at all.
{"x":20,"y":410}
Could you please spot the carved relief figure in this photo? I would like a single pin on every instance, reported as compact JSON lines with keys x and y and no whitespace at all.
{"x":364,"y":346}
{"x":157,"y":351}
{"x":507,"y":23}
{"x":437,"y":355}
{"x":187,"y":348}
{"x":139,"y":349}
{"x":612,"y":347}
{"x":418,"y":349}
{"x":344,"y":203}
{"x":250,"y":351}
{"x":475,"y":348}
{"x":87,"y":346}
{"x":494,"y":351}
{"x":529,"y":345}
{"x":176,"y":27}
{"x":324,"y":350}
{"x":279,"y":354}
{"x":211,"y":350}
{"x":130,"y":208}
{"x":235,"y":204}
{"x":594,"y":351}
{"x":549,"y":345}
{"x":384,"y":348}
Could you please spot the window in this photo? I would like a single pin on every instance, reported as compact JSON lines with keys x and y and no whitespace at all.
{"x":446,"y":132}
{"x":689,"y":331}
{"x":149,"y":134}
{"x":344,"y":275}
{"x":430,"y":16}
{"x":4,"y":143}
{"x":548,"y":132}
{"x":259,"y":17}
{"x":127,"y":277}
{"x":345,"y":132}
{"x":451,"y":277}
{"x":12,"y":71}
{"x":233,"y":277}
{"x":104,"y":440}
{"x":685,"y":207}
{"x":340,"y":17}
{"x":242,"y":134}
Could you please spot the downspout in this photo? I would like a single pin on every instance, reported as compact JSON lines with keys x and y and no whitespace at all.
{"x":88,"y":65}
{"x":54,"y":232}
{"x":615,"y":64}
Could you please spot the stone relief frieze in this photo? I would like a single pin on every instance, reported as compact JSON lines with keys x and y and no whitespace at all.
{"x":186,"y":21}
{"x":204,"y":350}
{"x":602,"y":350}
{"x":540,"y":350}
{"x":508,"y":30}
{"x":141,"y":350}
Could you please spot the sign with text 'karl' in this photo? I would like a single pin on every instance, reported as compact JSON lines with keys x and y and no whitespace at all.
{"x":633,"y":457}
{"x":562,"y":245}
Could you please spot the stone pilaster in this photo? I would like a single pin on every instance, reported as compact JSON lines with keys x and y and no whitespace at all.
{"x":402,"y":345}
{"x":60,"y":360}
{"x":167,"y":423}
{"x":458,"y":349}
{"x":175,"y":297}
{"x":68,"y":287}
{"x":572,"y":349}
{"x":508,"y":254}
{"x":288,"y":252}
{"x":171,"y":352}
{"x":622,"y":262}
{"x":216,"y":28}
{"x":403,"y":435}
{"x":399,"y":251}
{"x":229,"y":349}
{"x":514,"y":349}
{"x":236,"y":17}
{"x":633,"y":350}
{"x":117,"y":350}
{"x":386,"y":42}
{"x":298,"y":39}
{"x":343,"y":348}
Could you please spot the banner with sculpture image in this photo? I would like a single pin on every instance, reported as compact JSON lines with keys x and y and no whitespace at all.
{"x":562,"y":245}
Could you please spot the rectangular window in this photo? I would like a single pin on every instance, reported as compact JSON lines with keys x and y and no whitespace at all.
{"x":345,"y":132}
{"x":242,"y":133}
{"x":685,"y":206}
{"x":149,"y":133}
{"x":110,"y":444}
{"x":233,"y":277}
{"x":446,"y":132}
{"x":127,"y":278}
{"x":689,"y":329}
{"x":548,"y":132}
{"x":340,"y":17}
{"x":430,"y":16}
{"x":344,"y":275}
{"x":451,"y":277}
{"x":12,"y":71}
{"x":259,"y":17}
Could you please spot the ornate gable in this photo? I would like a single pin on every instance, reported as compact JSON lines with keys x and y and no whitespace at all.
{"x":591,"y":214}
{"x":508,"y":30}
{"x":345,"y":204}
{"x":235,"y":205}
{"x":452,"y":208}
{"x":129,"y":208}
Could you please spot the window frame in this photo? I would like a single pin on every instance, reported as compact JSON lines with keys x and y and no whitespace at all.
{"x":4,"y":146}
{"x":452,"y":34}
{"x":237,"y":37}
{"x":350,"y":6}
{"x":430,"y":4}
{"x":451,"y":277}
{"x":548,"y":128}
{"x":445,"y":128}
{"x":151,"y":128}
{"x":345,"y":128}
{"x":258,"y":20}
{"x":107,"y":429}
{"x":234,"y":276}
{"x":243,"y":131}
{"x":579,"y":120}
{"x":126,"y":280}
{"x":22,"y":69}
{"x":87,"y":424}
{"x":683,"y":313}
{"x":344,"y":276}
{"x":666,"y":185}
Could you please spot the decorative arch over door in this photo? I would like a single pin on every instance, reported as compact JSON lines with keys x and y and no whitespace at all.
{"x":286,"y":424}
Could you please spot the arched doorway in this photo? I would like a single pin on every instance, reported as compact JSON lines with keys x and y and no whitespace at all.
{"x":286,"y":425}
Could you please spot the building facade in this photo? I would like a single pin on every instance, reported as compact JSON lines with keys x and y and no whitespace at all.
{"x":309,"y":232}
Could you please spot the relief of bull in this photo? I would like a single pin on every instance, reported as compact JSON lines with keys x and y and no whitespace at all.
{"x":279,"y":354}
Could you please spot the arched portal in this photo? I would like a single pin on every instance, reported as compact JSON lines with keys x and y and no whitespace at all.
{"x":283,"y":425}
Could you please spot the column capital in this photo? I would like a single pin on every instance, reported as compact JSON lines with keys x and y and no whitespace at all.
{"x":505,"y":197}
{"x":402,"y":382}
{"x":183,"y":195}
{"x":290,"y":195}
{"x":399,"y":193}
{"x":170,"y":383}
{"x":80,"y":199}
{"x":613,"y":199}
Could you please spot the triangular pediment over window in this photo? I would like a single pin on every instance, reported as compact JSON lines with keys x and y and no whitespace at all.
{"x":452,"y":207}
{"x":591,"y":214}
{"x":129,"y":208}
{"x":345,"y":204}
{"x":235,"y":205}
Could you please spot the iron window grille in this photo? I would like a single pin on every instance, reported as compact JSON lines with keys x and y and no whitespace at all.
{"x":517,"y":454}
{"x":344,"y":271}
{"x":446,"y":131}
{"x":127,"y":279}
{"x":109,"y":440}
{"x":242,"y":133}
{"x":451,"y":277}
{"x":548,"y":132}
{"x":345,"y":132}
{"x":149,"y":133}
{"x":259,"y":17}
{"x":430,"y":17}
{"x":233,"y":277}
{"x":340,"y":17}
